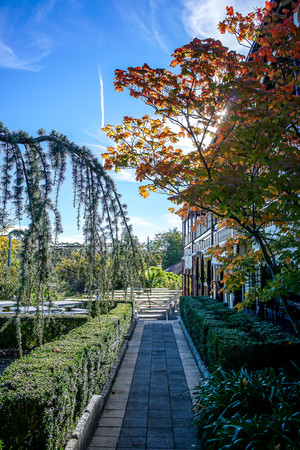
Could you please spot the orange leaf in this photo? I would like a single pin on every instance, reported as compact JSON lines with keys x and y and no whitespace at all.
{"x":143,"y":191}
{"x":270,"y":5}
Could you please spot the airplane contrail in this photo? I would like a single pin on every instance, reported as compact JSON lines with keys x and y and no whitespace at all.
{"x":101,"y":98}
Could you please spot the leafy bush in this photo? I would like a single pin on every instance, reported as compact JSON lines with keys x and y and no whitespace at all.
{"x":226,"y":337}
{"x":155,"y":277}
{"x":9,"y":282}
{"x":242,"y":410}
{"x":72,"y":273}
{"x":43,"y":393}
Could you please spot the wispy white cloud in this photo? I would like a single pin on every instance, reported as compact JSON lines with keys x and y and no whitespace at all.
{"x":43,"y":10}
{"x":144,"y":229}
{"x":140,"y":222}
{"x":95,"y":146}
{"x":124,"y":175}
{"x":138,"y":18}
{"x":23,"y":43}
{"x":172,"y":221}
{"x":100,"y":136}
{"x":31,"y":56}
{"x":28,"y":32}
{"x":71,"y":238}
{"x":155,"y":26}
{"x":130,"y":16}
{"x":93,"y":135}
{"x":201,"y":18}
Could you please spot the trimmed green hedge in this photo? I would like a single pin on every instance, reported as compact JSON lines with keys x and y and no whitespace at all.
{"x":231,"y":339}
{"x":54,"y":326}
{"x":43,"y":394}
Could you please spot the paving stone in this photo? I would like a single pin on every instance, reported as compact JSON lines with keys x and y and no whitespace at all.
{"x":137,"y":414}
{"x":182,"y":414}
{"x":140,"y":447}
{"x":122,"y":384}
{"x":133,"y":431}
{"x":160,"y":432}
{"x":163,"y":422}
{"x":139,"y":404}
{"x":160,"y":383}
{"x":159,"y":401}
{"x":159,"y":370}
{"x":121,"y":390}
{"x":99,"y":441}
{"x":155,"y":390}
{"x":119,"y":397}
{"x":182,"y":422}
{"x":136,"y":397}
{"x":141,"y":390}
{"x":174,"y":370}
{"x":189,"y":432}
{"x":141,"y":375}
{"x":102,"y":448}
{"x":186,"y":443}
{"x":111,"y":421}
{"x":131,"y":441}
{"x":115,"y":404}
{"x":134,"y":422}
{"x":113,"y":413}
{"x":160,"y":443}
{"x":159,"y":414}
{"x":181,"y":402}
{"x":177,"y":389}
{"x":107,"y":431}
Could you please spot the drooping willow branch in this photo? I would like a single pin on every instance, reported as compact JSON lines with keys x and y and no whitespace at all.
{"x":32,"y":173}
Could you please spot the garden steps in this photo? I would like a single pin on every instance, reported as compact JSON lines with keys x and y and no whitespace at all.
{"x":150,"y":403}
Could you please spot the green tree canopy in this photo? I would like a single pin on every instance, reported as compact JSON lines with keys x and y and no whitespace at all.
{"x":169,"y":246}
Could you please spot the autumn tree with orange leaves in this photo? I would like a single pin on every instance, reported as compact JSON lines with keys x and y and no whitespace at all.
{"x":241,"y":119}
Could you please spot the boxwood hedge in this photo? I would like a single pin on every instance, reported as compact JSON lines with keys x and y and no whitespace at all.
{"x":54,"y":326}
{"x":226,"y":337}
{"x":43,"y":393}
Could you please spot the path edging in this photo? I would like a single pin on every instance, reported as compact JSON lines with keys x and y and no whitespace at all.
{"x":87,"y":422}
{"x":202,"y":368}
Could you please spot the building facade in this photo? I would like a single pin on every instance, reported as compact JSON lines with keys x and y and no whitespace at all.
{"x":202,"y":273}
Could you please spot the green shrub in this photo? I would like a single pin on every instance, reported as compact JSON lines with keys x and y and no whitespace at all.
{"x":242,"y":410}
{"x":43,"y":393}
{"x":226,"y":337}
{"x":228,"y":348}
{"x":156,"y":277}
{"x":54,"y":326}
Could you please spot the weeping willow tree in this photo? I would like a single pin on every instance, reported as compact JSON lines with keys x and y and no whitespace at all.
{"x":32,"y":173}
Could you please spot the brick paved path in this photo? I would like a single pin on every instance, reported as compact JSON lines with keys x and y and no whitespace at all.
{"x":150,"y":404}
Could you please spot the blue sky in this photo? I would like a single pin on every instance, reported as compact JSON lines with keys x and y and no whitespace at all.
{"x":57,"y":62}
